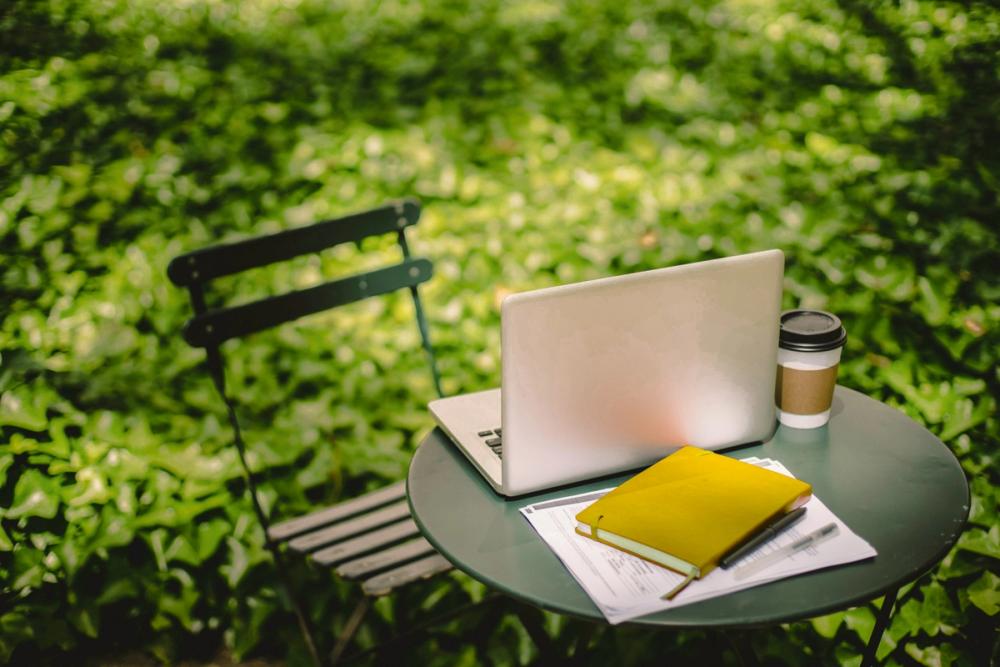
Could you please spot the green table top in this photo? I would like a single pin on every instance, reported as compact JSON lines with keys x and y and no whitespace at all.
{"x":888,"y":478}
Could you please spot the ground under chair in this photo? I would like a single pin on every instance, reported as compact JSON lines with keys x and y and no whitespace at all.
{"x":371,"y":538}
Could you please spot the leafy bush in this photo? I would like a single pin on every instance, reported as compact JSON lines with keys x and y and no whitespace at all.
{"x":550,"y":142}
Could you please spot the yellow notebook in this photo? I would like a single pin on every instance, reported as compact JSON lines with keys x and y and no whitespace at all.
{"x":690,"y":509}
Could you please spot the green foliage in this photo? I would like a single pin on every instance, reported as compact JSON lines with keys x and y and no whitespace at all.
{"x":549,"y":142}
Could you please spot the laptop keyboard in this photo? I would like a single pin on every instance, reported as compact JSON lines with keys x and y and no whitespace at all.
{"x":492,"y":438}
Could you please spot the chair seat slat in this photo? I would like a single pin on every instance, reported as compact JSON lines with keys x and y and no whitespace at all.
{"x":382,"y":584}
{"x":350,"y":528}
{"x":376,"y":539}
{"x":360,"y":567}
{"x":303,"y":524}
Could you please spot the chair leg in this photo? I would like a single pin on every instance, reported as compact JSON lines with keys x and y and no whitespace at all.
{"x":425,"y":336}
{"x":300,"y":615}
{"x":219,"y":378}
{"x":350,"y":628}
{"x":881,"y":622}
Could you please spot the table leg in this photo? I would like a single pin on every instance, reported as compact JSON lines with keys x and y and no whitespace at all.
{"x":881,"y":622}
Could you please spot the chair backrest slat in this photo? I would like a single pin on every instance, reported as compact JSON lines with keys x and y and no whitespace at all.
{"x":214,"y":327}
{"x":210,"y":328}
{"x":202,"y":265}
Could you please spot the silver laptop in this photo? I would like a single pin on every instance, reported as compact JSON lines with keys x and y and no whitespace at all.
{"x":615,"y":373}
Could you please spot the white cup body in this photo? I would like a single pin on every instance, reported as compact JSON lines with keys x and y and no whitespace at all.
{"x":809,"y":361}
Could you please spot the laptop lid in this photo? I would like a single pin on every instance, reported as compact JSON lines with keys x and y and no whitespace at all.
{"x":615,"y":373}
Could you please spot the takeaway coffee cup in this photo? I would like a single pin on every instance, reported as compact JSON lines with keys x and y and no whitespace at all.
{"x":809,"y":347}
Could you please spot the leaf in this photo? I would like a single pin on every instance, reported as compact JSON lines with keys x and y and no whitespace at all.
{"x":114,"y":530}
{"x":319,"y":470}
{"x":71,"y":555}
{"x":957,"y":564}
{"x":6,"y":461}
{"x":181,"y":604}
{"x":938,"y":613}
{"x":118,"y":589}
{"x":259,"y":611}
{"x":942,"y":655}
{"x":28,"y":568}
{"x":985,"y":593}
{"x":237,"y":564}
{"x":982,"y":542}
{"x":210,"y":535}
{"x":891,"y":275}
{"x":191,"y":462}
{"x":16,"y":627}
{"x":180,"y":549}
{"x":965,"y":415}
{"x":21,"y":409}
{"x":16,"y":366}
{"x":847,"y":656}
{"x":476,"y":590}
{"x":156,"y":539}
{"x":935,"y":293}
{"x":85,"y":620}
{"x":180,"y":513}
{"x":828,"y":625}
{"x":35,"y":495}
{"x":985,"y":510}
{"x":932,"y":614}
{"x":861,"y":620}
{"x":91,"y":488}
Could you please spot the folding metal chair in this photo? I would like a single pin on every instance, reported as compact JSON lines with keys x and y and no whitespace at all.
{"x":371,"y":538}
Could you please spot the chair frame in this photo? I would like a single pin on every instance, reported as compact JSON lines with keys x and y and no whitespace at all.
{"x":209,"y":328}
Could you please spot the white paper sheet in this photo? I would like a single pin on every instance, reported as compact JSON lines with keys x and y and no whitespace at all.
{"x":625,"y":587}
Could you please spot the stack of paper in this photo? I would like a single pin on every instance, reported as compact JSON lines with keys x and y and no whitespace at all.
{"x":625,"y":587}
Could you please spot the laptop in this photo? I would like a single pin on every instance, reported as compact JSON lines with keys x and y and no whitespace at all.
{"x":615,"y":373}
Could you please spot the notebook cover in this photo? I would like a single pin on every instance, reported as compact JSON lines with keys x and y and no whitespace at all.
{"x":695,"y":505}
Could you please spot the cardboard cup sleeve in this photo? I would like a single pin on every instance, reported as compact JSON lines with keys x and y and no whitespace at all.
{"x":805,"y":392}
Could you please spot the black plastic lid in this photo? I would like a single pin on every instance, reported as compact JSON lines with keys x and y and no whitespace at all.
{"x":811,"y":331}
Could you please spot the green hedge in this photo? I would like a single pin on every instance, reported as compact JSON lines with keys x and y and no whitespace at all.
{"x":549,"y":142}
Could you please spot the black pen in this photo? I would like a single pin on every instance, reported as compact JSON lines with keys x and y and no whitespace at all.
{"x":763,"y":536}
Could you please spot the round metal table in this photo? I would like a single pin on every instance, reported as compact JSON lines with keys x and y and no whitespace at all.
{"x":888,"y":478}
